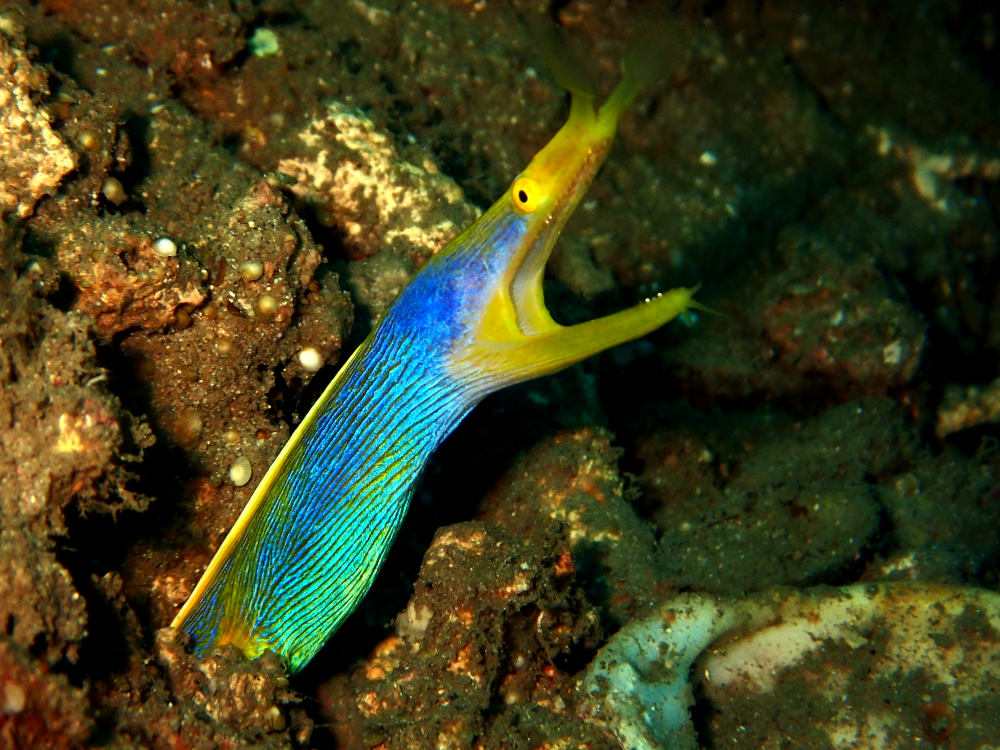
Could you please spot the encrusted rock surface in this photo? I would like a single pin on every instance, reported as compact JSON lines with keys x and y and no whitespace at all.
{"x":827,"y":173}
{"x":33,"y":158}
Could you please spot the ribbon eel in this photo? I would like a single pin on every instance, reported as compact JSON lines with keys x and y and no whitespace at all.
{"x":313,"y":535}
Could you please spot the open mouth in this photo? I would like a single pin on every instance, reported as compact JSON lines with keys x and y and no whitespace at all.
{"x":526,"y":295}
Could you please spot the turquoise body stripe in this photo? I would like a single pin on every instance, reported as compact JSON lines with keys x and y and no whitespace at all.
{"x":314,"y":545}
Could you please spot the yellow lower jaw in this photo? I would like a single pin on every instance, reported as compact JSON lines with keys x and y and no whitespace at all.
{"x":514,"y":356}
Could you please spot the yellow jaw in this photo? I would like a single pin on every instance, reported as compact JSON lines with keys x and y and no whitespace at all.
{"x":515,"y":337}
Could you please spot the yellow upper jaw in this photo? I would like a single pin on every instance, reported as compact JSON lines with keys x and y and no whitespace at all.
{"x":572,"y":156}
{"x":561,"y":173}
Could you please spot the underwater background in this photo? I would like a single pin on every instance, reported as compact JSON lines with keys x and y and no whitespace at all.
{"x":206,"y":204}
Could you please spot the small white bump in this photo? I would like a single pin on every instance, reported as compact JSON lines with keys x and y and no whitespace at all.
{"x":251,"y":270}
{"x":267,"y":305}
{"x":240,"y":471}
{"x":310,"y":359}
{"x":165,"y":247}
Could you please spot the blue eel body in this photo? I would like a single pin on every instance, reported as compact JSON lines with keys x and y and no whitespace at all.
{"x":316,"y":530}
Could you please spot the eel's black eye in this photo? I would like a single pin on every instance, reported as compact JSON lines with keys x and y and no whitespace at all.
{"x":526,"y":194}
